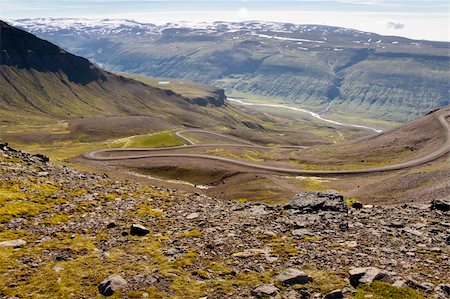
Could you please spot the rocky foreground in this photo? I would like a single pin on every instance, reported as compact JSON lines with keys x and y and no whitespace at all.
{"x":69,"y":234}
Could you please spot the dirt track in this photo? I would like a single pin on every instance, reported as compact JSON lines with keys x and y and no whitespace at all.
{"x":97,"y":155}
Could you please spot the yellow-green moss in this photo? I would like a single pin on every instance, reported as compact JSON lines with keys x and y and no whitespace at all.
{"x":382,"y":290}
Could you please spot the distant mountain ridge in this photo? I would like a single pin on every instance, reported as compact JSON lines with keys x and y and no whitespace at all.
{"x":325,"y":68}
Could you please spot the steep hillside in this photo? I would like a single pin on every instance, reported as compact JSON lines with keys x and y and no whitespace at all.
{"x":329,"y":69}
{"x":41,"y":81}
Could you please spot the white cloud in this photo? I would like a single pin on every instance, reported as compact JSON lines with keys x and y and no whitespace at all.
{"x":395,"y":25}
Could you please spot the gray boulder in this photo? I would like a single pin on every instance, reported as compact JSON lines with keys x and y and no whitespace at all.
{"x":112,"y":284}
{"x":293,"y":276}
{"x":313,"y":202}
{"x":13,"y":243}
{"x":264,"y":290}
{"x":368,"y":275}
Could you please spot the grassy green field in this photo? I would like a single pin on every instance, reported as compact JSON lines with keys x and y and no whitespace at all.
{"x":153,"y":140}
{"x":67,"y":149}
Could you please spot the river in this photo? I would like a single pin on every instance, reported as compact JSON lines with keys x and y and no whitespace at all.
{"x":313,"y":114}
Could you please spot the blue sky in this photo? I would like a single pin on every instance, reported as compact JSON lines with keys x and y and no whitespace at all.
{"x":413,"y":18}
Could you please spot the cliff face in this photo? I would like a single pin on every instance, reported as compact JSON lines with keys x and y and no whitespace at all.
{"x":216,"y":98}
{"x":23,"y":50}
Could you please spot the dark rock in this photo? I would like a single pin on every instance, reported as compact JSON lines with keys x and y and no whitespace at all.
{"x":292,"y":276}
{"x":442,"y":291}
{"x":419,"y":286}
{"x":368,"y":275}
{"x":112,"y":284}
{"x":336,"y":294}
{"x":264,"y":290}
{"x":357,"y":205}
{"x":397,"y":224}
{"x":42,"y":158}
{"x":447,"y":241}
{"x":304,"y":294}
{"x":138,"y":230}
{"x":343,"y":226}
{"x":313,"y":202}
{"x":111,"y":225}
{"x":442,"y":204}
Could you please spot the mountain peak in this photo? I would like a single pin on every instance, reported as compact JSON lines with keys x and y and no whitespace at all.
{"x":26,"y":51}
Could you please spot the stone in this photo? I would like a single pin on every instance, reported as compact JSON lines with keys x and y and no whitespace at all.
{"x":138,"y":230}
{"x":251,"y":252}
{"x":412,"y":231}
{"x":264,"y":290}
{"x":419,"y":286}
{"x":350,"y":244}
{"x":442,"y":204}
{"x":13,"y":243}
{"x":41,"y":158}
{"x":313,"y":202}
{"x":336,"y":294}
{"x":357,"y":205}
{"x":192,"y":216}
{"x":397,"y":224}
{"x":111,"y":225}
{"x":442,"y":291}
{"x":399,"y":283}
{"x":292,"y":276}
{"x":447,"y":240}
{"x":368,"y":275}
{"x":112,"y":284}
{"x":302,"y":232}
{"x":256,"y":209}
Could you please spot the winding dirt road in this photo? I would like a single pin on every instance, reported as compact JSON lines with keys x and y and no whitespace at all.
{"x":98,"y":155}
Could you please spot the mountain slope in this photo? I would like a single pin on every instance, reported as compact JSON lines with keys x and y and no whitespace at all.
{"x":330,"y":69}
{"x":39,"y":80}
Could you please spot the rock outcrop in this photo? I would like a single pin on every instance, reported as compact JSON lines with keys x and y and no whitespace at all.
{"x":314,"y":202}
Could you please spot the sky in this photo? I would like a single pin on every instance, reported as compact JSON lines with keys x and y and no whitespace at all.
{"x":414,"y":18}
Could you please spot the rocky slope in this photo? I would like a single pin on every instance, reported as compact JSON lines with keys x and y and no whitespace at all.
{"x":325,"y":68}
{"x":69,"y":234}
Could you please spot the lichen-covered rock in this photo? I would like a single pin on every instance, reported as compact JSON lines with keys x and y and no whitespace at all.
{"x":264,"y":290}
{"x":112,"y":284}
{"x":368,"y":275}
{"x":313,"y":202}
